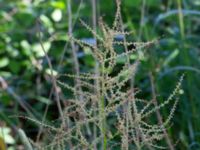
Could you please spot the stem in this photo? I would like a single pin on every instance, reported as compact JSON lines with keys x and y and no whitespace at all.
{"x":75,"y":57}
{"x":180,"y":16}
{"x":53,"y":79}
{"x":159,"y":117}
{"x":94,"y":22}
{"x":102,"y":109}
{"x":103,"y":124}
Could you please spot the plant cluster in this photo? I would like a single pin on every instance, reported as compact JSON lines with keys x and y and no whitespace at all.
{"x":104,"y":111}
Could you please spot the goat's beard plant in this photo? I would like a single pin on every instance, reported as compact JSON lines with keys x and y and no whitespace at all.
{"x":106,"y":113}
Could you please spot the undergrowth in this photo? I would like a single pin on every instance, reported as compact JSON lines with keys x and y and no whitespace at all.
{"x":104,"y":111}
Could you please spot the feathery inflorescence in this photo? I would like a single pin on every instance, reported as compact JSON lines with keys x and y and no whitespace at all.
{"x":111,"y":98}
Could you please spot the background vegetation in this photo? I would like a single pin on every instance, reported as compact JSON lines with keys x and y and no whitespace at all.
{"x":26,"y":88}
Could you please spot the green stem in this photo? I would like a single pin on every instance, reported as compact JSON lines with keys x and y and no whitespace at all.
{"x":180,"y":16}
{"x":102,"y":110}
{"x":103,"y":124}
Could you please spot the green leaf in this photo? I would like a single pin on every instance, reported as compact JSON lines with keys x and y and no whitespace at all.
{"x":44,"y":100}
{"x":58,"y":4}
{"x":172,"y":56}
{"x":56,"y":15}
{"x":37,"y":48}
{"x":15,"y":66}
{"x":4,"y":62}
{"x":48,"y":71}
{"x":5,"y":134}
{"x":26,"y":47}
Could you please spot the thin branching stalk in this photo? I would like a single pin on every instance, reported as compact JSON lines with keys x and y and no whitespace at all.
{"x":127,"y":107}
{"x":75,"y":57}
{"x":11,"y":92}
{"x":159,"y":117}
{"x":180,"y":17}
{"x":94,"y":21}
{"x":106,"y":93}
{"x":102,"y":108}
{"x":142,"y":19}
{"x":62,"y":56}
{"x":74,"y":53}
{"x":53,"y":79}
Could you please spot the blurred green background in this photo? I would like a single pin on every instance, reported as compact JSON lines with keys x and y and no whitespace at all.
{"x":24,"y":72}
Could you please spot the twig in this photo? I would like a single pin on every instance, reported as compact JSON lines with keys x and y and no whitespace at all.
{"x":94,"y":21}
{"x":75,"y":57}
{"x":10,"y":91}
{"x":52,"y":76}
{"x":170,"y":145}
